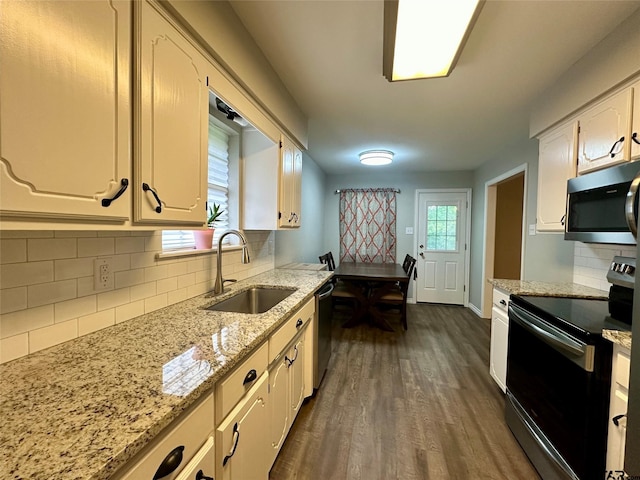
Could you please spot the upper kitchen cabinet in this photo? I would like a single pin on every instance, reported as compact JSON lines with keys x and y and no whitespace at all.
{"x":272,"y":177}
{"x":604,"y":132}
{"x":635,"y":124}
{"x":171,"y":128}
{"x":556,"y":165}
{"x":72,"y":91}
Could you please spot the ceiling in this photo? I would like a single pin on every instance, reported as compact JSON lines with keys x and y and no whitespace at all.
{"x":329,"y":56}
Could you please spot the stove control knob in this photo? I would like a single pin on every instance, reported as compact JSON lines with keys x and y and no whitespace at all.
{"x":629,"y":269}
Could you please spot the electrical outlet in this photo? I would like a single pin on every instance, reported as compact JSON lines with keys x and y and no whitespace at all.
{"x":103,"y":274}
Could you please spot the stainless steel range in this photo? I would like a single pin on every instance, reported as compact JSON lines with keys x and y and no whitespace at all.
{"x":559,"y":376}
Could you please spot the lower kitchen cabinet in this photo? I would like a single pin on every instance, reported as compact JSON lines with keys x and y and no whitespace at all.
{"x":243,"y":447}
{"x":499,"y":338}
{"x":618,"y":408}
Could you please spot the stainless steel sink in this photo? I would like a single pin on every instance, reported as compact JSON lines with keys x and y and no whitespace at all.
{"x":254,"y":300}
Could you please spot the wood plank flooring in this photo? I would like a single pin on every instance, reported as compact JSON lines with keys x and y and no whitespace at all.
{"x":408,"y":405}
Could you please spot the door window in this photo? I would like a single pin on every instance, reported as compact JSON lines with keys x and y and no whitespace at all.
{"x":442,"y":228}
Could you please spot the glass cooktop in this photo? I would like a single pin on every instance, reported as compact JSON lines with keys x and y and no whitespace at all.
{"x":582,"y":317}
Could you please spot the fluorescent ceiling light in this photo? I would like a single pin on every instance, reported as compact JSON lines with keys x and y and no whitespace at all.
{"x":376,"y":157}
{"x":424,"y":38}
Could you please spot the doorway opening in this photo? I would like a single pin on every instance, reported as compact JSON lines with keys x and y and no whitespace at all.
{"x":505,"y":206}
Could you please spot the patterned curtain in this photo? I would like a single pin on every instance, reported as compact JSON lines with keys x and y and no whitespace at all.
{"x":368,"y":225}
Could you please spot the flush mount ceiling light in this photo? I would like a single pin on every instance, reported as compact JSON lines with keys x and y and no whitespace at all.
{"x":376,"y":157}
{"x":424,"y":38}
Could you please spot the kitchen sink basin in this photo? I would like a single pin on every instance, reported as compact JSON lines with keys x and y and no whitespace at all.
{"x":254,"y":300}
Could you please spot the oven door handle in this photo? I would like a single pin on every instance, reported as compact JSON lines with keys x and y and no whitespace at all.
{"x":548,"y":333}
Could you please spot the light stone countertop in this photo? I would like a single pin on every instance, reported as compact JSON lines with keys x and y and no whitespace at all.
{"x":82,"y":409}
{"x":619,"y":337}
{"x":548,"y":289}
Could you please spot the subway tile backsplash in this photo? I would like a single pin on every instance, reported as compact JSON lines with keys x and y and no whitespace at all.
{"x":591,"y":262}
{"x":46,"y":282}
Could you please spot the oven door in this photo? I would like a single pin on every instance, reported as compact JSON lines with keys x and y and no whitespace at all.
{"x":549,"y":374}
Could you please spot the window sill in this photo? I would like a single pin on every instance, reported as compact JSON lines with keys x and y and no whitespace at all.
{"x":193,"y":252}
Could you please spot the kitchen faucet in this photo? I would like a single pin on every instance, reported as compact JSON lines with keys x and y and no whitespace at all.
{"x":218,"y":287}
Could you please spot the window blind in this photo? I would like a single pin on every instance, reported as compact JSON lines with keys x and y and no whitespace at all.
{"x":218,"y":191}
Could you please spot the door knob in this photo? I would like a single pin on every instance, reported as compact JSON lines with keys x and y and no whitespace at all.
{"x":422,"y":254}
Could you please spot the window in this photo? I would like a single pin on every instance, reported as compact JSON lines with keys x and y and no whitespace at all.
{"x":442,"y":228}
{"x":218,"y":192}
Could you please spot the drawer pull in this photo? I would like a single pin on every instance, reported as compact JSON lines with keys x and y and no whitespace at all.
{"x":170,"y":463}
{"x":299,"y":323}
{"x":124,"y":183}
{"x":236,"y":439}
{"x":201,"y":476}
{"x":251,"y":376}
{"x":147,"y":188}
{"x":617,"y":418}
{"x":503,"y":303}
{"x":290,"y":362}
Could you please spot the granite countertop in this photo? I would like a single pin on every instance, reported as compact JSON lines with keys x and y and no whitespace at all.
{"x":82,"y":409}
{"x":548,"y":289}
{"x":622,"y":338}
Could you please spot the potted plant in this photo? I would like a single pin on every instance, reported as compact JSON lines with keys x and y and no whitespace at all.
{"x":204,"y":238}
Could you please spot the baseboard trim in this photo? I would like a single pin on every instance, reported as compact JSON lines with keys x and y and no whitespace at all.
{"x":475,"y":310}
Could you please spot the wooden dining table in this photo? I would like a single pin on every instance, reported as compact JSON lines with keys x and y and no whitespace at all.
{"x":369,"y":282}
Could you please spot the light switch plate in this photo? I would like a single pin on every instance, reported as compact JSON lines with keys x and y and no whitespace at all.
{"x":532,"y":229}
{"x":408,"y":230}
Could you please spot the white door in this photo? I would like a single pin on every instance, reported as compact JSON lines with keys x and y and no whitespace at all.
{"x":442,"y":235}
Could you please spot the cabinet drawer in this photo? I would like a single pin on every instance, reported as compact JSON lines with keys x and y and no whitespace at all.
{"x":203,"y":463}
{"x":501,"y":299}
{"x":281,"y":338}
{"x":230,"y":390}
{"x":190,"y":433}
{"x":622,"y":367}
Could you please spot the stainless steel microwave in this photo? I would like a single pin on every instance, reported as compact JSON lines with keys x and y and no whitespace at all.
{"x":602,"y":207}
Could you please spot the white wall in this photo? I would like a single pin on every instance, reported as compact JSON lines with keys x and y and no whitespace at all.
{"x":407,"y":182}
{"x":305,"y":244}
{"x":548,"y":257}
{"x":46,"y":282}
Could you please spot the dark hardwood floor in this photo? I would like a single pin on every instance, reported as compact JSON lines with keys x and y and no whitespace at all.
{"x":408,"y":405}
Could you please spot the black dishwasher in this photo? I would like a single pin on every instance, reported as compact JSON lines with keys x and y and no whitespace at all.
{"x":322,"y":334}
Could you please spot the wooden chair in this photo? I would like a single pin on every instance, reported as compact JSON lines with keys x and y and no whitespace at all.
{"x":397,"y":297}
{"x":341,"y":293}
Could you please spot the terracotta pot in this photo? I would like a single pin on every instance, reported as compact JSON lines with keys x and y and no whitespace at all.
{"x":204,"y":238}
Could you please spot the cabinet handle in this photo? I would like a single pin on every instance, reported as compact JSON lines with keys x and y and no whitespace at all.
{"x":236,"y":439}
{"x":290,"y":362}
{"x":617,"y":418}
{"x":291,"y":217}
{"x":504,"y":303}
{"x":147,"y":188}
{"x":620,"y":140}
{"x":299,"y":323}
{"x":124,"y":183}
{"x":634,"y":137}
{"x":170,"y":463}
{"x":201,"y":476}
{"x":563,"y":219}
{"x":251,"y":376}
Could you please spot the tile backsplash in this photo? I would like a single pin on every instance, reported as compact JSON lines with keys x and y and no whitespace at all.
{"x":47,"y":291}
{"x":591,"y":262}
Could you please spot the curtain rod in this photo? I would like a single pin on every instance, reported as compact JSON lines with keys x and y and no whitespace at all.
{"x":397,"y":190}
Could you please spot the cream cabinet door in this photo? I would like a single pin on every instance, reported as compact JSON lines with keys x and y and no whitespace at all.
{"x":635,"y":125}
{"x":64,"y":110}
{"x":296,"y":372}
{"x":243,"y":447}
{"x":556,"y":165}
{"x":604,"y":131}
{"x":279,"y":405}
{"x":296,"y":187}
{"x":286,"y":214}
{"x":171,"y":124}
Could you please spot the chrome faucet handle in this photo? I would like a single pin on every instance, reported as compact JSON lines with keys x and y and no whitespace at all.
{"x":231,"y":280}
